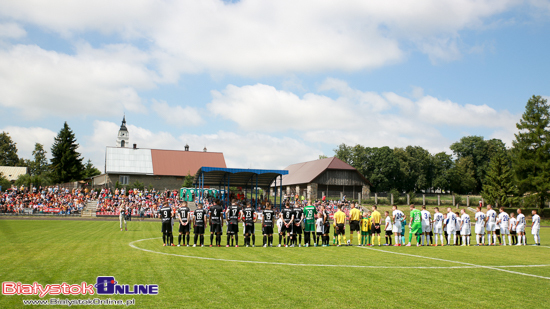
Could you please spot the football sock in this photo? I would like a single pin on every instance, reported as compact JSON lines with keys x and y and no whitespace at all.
{"x":188,"y":238}
{"x":202,"y":240}
{"x":524,"y":240}
{"x":358,"y":237}
{"x":271,"y":240}
{"x":509,"y":239}
{"x":171,"y":238}
{"x":164,"y":237}
{"x":499,"y":240}
{"x":410,"y":237}
{"x":397,"y":239}
{"x":211,"y":239}
{"x":228,"y":237}
{"x":179,"y":239}
{"x":254,"y":239}
{"x":345,"y":241}
{"x":389,"y":237}
{"x":236,"y":240}
{"x":351,"y":237}
{"x":495,"y":239}
{"x":195,"y":238}
{"x":432,"y":239}
{"x":288,"y":240}
{"x":339,"y":240}
{"x":265,"y":239}
{"x":232,"y":241}
{"x":299,"y":239}
{"x":423,"y":239}
{"x":418,"y":238}
{"x":402,"y":240}
{"x":477,"y":239}
{"x":536,"y":237}
{"x":463,"y":240}
{"x":449,"y":239}
{"x":280,"y":239}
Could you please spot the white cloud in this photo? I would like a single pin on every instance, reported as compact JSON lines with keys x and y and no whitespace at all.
{"x":269,"y":37}
{"x":12,"y":31}
{"x":92,"y":82}
{"x":355,"y":117}
{"x":177,"y":115}
{"x":26,"y":138}
{"x":251,"y":150}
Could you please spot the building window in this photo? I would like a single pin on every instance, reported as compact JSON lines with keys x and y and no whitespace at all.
{"x":124,"y":180}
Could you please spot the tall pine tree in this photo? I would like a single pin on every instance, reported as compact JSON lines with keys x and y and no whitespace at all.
{"x":531,"y":152}
{"x":8,"y":151}
{"x":66,"y":161}
{"x":499,"y":186}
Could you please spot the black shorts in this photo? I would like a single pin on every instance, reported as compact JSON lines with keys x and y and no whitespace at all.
{"x":512,"y":232}
{"x":326,"y":229}
{"x":431,"y":233}
{"x":233,"y":228}
{"x":296,"y":229}
{"x":458,"y":232}
{"x":497,"y":231}
{"x":249,"y":229}
{"x":354,"y":226}
{"x":319,"y":234}
{"x":166,"y":227}
{"x":267,"y":230}
{"x":375,"y":229}
{"x":199,"y":229}
{"x":288,"y":229}
{"x":215,"y":228}
{"x":341,"y":229}
{"x":389,"y":233}
{"x":184,"y":228}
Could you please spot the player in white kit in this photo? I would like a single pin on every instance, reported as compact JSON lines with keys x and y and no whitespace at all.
{"x":491,"y":218}
{"x":465,"y":228}
{"x":426,"y":225}
{"x":480,"y":226}
{"x":503,"y":220}
{"x":520,"y":228}
{"x":535,"y":227}
{"x":451,"y":226}
{"x":438,"y":225}
{"x":398,"y":216}
{"x":512,"y":229}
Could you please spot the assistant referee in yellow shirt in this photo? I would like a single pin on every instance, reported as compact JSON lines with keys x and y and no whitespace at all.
{"x":340,"y":224}
{"x":376,"y":218}
{"x":354,"y":224}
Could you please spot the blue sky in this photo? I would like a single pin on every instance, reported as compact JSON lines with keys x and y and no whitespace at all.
{"x":270,"y":83}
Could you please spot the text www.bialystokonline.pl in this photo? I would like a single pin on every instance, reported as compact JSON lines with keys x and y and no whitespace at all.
{"x":79,"y":302}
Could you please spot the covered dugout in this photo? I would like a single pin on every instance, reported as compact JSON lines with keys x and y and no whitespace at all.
{"x":224,"y":178}
{"x":330,"y":177}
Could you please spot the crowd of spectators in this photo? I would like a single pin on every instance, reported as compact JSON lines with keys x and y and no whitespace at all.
{"x":42,"y":200}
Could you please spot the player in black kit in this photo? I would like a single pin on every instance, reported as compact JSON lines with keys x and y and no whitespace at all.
{"x":267,"y":225}
{"x":183,"y":216}
{"x":233,"y":214}
{"x":326,"y":226}
{"x":288,"y":218}
{"x":249,"y":219}
{"x":199,"y":221}
{"x":216,"y":223}
{"x":166,"y":216}
{"x":297,"y":228}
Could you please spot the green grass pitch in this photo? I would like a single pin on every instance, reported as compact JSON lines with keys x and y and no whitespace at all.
{"x":53,"y":252}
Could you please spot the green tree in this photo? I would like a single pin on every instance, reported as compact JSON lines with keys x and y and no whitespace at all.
{"x":66,"y":161}
{"x":415,"y":168}
{"x":39,"y":165}
{"x":90,"y":170}
{"x":8,"y":151}
{"x":4,"y":183}
{"x":531,"y":152}
{"x":344,"y":153}
{"x":441,"y":169}
{"x":499,"y":182}
{"x":480,"y":151}
{"x":322,"y":157}
{"x":462,"y":176}
{"x":188,"y":182}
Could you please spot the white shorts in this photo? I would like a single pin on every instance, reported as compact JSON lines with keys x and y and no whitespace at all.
{"x":490,"y":226}
{"x":465,"y":230}
{"x":535,"y":231}
{"x":480,"y":229}
{"x":396,"y":228}
{"x":520,"y":228}
{"x":426,"y":228}
{"x":451,"y":232}
{"x":438,"y":230}
{"x":504,"y":231}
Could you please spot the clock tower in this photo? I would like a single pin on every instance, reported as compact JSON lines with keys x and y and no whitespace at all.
{"x":123,"y":135}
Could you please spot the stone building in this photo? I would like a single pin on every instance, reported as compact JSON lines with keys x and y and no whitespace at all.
{"x":330,"y":177}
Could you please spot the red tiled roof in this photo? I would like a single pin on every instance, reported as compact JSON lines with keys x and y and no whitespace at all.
{"x":181,"y":163}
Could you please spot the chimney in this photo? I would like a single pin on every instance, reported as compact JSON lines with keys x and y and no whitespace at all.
{"x":135,"y":146}
{"x":186,"y":147}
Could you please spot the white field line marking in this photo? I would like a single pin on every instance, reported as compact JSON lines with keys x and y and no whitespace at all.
{"x":457,"y":262}
{"x":316,"y":265}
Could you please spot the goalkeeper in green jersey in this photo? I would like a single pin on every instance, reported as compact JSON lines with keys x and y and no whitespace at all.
{"x":415,"y":225}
